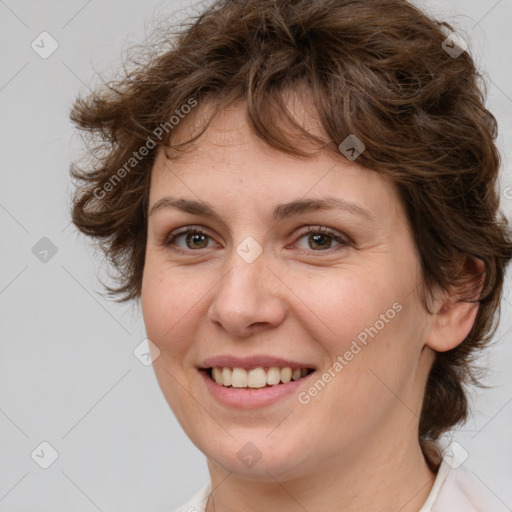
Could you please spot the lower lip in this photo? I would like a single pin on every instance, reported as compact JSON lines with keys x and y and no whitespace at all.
{"x":247,"y":398}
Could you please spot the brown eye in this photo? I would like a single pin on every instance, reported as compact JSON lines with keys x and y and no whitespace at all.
{"x":320,"y":239}
{"x":193,"y":237}
{"x":196,"y":240}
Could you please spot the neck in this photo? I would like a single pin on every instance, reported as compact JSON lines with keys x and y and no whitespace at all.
{"x":383,"y":480}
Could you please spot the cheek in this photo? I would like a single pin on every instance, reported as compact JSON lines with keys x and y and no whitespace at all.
{"x":168,"y":304}
{"x":168,"y":312}
{"x":375,"y":358}
{"x":341,"y":308}
{"x":365,"y":322}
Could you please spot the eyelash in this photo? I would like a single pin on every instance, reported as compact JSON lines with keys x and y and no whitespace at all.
{"x":309,"y":230}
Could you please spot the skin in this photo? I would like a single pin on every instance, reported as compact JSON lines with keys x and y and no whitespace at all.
{"x":355,"y":443}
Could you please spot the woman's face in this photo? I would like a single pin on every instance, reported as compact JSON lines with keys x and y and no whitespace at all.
{"x":250,"y":288}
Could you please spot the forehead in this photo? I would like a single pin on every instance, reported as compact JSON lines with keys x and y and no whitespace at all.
{"x":230,"y":162}
{"x":229,"y":123}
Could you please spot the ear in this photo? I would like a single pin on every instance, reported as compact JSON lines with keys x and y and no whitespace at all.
{"x":453,"y":319}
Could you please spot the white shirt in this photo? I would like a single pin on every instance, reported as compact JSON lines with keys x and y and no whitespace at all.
{"x":454,"y":490}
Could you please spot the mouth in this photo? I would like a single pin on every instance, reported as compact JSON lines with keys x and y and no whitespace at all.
{"x":255,"y":378}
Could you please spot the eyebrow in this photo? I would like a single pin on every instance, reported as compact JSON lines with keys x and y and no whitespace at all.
{"x":280,"y":212}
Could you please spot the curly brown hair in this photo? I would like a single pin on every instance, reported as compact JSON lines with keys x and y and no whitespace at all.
{"x":377,"y":69}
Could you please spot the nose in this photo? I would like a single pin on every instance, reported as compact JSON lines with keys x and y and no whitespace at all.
{"x":249,"y":298}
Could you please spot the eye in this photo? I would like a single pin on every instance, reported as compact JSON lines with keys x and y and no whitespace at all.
{"x":194,"y":238}
{"x":320,"y":238}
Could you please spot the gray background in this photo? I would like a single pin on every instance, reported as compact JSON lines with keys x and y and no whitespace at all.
{"x":68,"y":375}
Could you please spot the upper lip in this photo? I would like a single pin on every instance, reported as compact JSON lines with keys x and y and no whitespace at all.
{"x":251,"y":362}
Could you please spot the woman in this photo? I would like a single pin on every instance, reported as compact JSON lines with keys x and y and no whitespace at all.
{"x":302,"y":197}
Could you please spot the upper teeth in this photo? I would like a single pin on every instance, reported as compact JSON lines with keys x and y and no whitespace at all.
{"x":256,"y":377}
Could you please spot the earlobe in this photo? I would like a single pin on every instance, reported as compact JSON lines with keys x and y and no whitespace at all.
{"x":454,"y":319}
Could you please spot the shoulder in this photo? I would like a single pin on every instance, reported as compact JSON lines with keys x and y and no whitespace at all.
{"x":458,"y":488}
{"x":198,"y":502}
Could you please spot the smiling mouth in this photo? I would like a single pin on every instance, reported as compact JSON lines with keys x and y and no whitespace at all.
{"x":260,"y":377}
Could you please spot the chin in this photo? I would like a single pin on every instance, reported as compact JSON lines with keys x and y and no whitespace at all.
{"x":256,"y":458}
